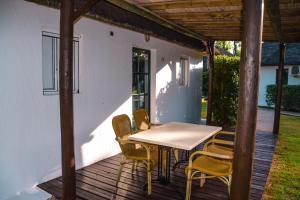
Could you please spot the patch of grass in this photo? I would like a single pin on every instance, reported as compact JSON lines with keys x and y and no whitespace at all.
{"x":203,"y":109}
{"x":284,"y":178}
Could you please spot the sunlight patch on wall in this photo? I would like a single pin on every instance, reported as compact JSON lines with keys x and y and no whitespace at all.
{"x":196,"y":64}
{"x":163,"y":77}
{"x":103,"y":143}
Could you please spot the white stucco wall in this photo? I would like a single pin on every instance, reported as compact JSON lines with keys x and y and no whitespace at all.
{"x":29,"y":121}
{"x":267,"y":77}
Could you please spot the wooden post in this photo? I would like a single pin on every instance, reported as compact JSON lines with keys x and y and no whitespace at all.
{"x":248,"y":95}
{"x":211,"y":50}
{"x":282,"y":47}
{"x":66,"y":99}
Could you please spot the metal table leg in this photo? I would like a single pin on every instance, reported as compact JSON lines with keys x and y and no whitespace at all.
{"x":164,"y":174}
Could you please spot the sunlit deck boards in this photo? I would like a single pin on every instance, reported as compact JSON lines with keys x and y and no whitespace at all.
{"x":97,"y":181}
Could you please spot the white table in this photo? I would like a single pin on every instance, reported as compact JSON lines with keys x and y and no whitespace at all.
{"x":174,"y":135}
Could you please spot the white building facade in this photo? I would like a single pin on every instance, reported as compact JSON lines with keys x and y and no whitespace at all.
{"x":29,"y":120}
{"x":270,"y":60}
{"x":268,"y":77}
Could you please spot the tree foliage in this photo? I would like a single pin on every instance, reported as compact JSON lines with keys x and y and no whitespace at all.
{"x":233,"y":47}
{"x":225,"y":90}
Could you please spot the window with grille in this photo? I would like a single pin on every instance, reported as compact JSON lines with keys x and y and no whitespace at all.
{"x":141,"y":80}
{"x":50,"y":63}
{"x":184,"y":71}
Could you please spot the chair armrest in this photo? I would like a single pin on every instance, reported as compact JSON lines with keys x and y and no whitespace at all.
{"x":205,"y":153}
{"x":143,"y":145}
{"x":218,"y":141}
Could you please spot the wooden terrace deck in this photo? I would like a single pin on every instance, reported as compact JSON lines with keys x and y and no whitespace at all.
{"x":97,"y":181}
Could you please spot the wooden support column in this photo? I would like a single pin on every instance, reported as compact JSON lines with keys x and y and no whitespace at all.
{"x":66,"y":99}
{"x":282,"y":47}
{"x":248,"y":95}
{"x":211,"y":50}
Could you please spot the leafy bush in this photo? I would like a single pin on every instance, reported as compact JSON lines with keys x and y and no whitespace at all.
{"x":290,"y":97}
{"x":225,"y":90}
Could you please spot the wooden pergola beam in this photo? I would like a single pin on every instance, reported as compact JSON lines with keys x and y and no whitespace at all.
{"x":116,"y":15}
{"x":129,"y":16}
{"x":282,"y":48}
{"x":211,"y":51}
{"x":66,"y":99}
{"x":248,"y":98}
{"x":141,"y":11}
{"x":83,"y":9}
{"x":272,"y":7}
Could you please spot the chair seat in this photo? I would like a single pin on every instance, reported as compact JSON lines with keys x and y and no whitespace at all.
{"x":218,"y":149}
{"x":211,"y":166}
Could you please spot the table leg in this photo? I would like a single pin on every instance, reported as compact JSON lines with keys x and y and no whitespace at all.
{"x":164,"y":162}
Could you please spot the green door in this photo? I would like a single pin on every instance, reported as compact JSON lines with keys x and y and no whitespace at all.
{"x":141,"y":79}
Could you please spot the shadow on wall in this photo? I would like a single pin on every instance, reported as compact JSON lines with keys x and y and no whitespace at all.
{"x":100,"y":142}
{"x":94,"y":138}
{"x":175,"y":102}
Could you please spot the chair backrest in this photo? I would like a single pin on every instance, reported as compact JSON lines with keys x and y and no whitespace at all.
{"x":141,"y":119}
{"x":122,"y":127}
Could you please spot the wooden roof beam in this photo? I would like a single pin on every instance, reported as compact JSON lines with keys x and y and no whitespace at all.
{"x":272,"y":7}
{"x":148,"y":14}
{"x":83,"y":9}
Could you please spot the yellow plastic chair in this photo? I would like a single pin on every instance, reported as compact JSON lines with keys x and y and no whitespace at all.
{"x":141,"y":119}
{"x":133,"y":152}
{"x":219,"y":146}
{"x":208,"y":165}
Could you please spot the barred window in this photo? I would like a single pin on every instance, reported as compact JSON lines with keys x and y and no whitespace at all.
{"x":50,"y":65}
{"x":184,"y":71}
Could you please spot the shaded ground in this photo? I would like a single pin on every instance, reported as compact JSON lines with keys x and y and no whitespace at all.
{"x":265,"y":118}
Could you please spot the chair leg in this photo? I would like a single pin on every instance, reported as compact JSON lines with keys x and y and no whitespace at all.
{"x":229,"y":183}
{"x":164,"y":163}
{"x":188,"y":185}
{"x":133,"y":167}
{"x":202,"y":180}
{"x":149,"y":177}
{"x":136,"y":167}
{"x":119,"y":173}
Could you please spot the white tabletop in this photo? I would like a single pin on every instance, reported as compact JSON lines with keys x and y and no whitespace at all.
{"x":177,"y":135}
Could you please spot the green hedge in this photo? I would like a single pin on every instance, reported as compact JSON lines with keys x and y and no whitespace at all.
{"x":225,"y":90}
{"x":290,"y":97}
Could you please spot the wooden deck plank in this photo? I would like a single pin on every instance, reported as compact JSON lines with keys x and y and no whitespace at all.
{"x":97,"y":181}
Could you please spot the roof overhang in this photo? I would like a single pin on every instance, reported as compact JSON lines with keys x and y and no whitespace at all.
{"x":130,"y":16}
